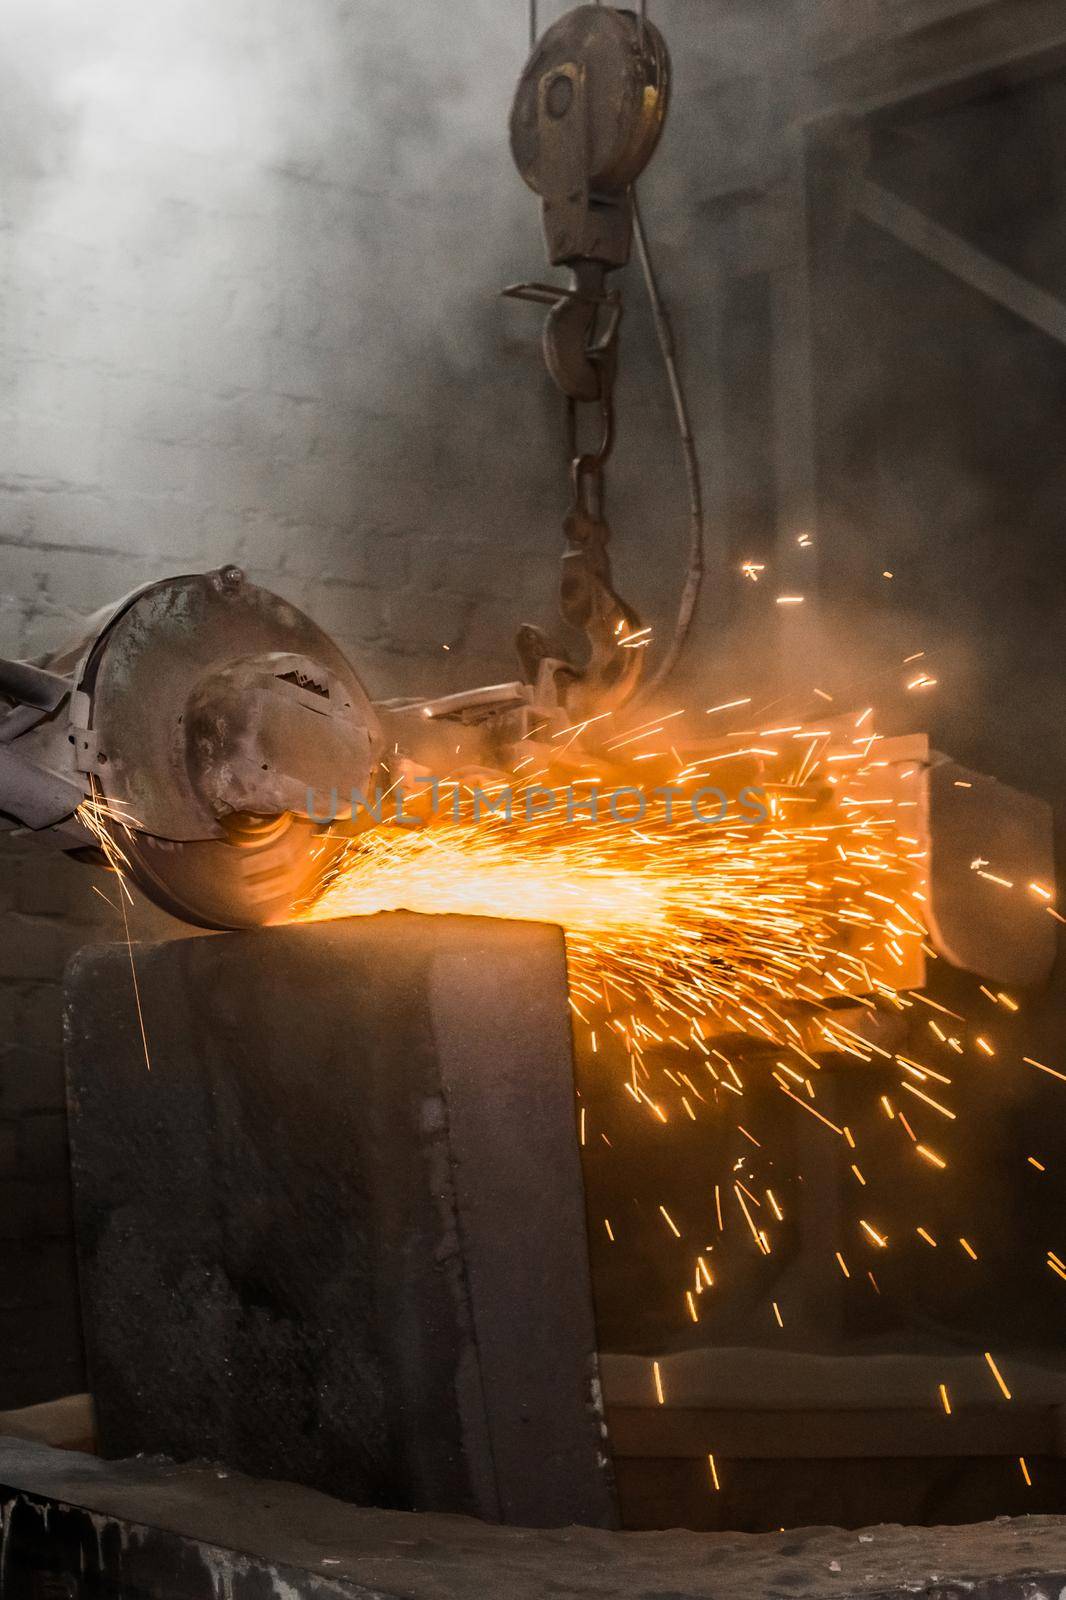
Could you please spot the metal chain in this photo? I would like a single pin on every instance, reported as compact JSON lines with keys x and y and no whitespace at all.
{"x":587,"y":471}
{"x":587,"y":474}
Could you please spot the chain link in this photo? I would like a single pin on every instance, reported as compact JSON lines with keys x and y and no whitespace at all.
{"x":587,"y":521}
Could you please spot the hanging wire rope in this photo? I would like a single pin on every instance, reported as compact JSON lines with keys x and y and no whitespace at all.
{"x":694,"y":578}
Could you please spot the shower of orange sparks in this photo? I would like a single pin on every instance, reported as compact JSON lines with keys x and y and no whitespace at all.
{"x":680,"y":931}
{"x":104,"y":820}
{"x":673,"y":924}
{"x":706,"y":939}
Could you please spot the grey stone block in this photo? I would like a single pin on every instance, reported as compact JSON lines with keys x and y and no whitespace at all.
{"x":336,"y":1234}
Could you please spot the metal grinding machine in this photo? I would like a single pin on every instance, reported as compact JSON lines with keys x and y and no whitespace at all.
{"x":200,"y":716}
{"x":200,"y":713}
{"x":196,"y":713}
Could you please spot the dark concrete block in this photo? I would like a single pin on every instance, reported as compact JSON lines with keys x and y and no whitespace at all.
{"x":336,"y":1233}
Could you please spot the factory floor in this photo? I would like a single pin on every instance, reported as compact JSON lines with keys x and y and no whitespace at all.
{"x":74,"y":1524}
{"x":772,"y":1470}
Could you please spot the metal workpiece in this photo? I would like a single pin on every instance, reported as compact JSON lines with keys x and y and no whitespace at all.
{"x":336,"y":1234}
{"x":972,"y":838}
{"x":974,"y":922}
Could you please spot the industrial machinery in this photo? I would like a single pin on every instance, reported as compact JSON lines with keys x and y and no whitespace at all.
{"x":192,"y":719}
{"x":194,"y":724}
{"x":193,"y":728}
{"x":195,"y":719}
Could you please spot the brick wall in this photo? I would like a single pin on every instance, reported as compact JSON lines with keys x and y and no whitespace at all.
{"x":251,"y":256}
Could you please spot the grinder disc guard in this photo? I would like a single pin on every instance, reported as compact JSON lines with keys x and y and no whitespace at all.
{"x":216,"y":713}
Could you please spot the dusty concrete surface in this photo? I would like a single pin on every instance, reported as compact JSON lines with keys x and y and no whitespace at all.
{"x":299,"y":1543}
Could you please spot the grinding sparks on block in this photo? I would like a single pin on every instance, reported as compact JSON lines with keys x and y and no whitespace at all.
{"x":105,"y":821}
{"x":672,"y":925}
{"x":709,"y":961}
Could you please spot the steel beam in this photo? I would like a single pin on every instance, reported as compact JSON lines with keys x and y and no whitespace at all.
{"x":963,"y":260}
{"x":924,"y":69}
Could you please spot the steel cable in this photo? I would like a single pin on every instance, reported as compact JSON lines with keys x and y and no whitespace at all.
{"x":694,"y":579}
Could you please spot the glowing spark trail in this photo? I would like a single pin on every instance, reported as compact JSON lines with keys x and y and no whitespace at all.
{"x":705,"y":956}
{"x":672,"y":920}
{"x":102,"y":821}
